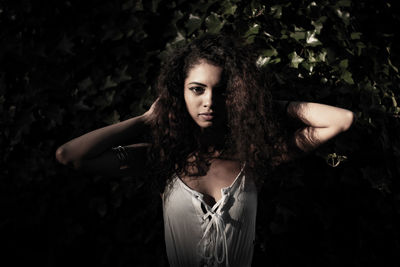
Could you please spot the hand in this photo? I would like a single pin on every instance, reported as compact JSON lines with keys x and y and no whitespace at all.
{"x":149,"y":116}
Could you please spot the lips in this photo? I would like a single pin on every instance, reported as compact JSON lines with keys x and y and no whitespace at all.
{"x":207,"y":116}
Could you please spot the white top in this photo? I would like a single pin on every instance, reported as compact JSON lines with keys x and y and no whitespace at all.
{"x":199,"y":235}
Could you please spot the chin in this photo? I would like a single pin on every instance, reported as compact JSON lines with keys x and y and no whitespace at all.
{"x":206,"y":126}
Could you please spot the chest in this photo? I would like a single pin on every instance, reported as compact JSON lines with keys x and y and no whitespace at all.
{"x":222,"y":173}
{"x":200,"y":233}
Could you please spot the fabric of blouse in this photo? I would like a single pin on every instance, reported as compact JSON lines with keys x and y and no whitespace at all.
{"x":199,"y":235}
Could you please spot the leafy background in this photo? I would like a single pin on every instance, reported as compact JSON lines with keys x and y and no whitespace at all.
{"x":68,"y":67}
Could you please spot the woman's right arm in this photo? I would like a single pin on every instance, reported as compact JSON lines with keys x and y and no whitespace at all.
{"x":92,"y":152}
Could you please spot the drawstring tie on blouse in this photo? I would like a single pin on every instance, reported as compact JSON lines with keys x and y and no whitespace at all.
{"x":215,"y":232}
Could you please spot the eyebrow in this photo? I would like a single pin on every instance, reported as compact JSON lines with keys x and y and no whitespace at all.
{"x":201,"y":84}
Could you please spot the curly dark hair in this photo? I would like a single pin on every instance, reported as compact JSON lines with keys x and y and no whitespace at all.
{"x":250,"y":132}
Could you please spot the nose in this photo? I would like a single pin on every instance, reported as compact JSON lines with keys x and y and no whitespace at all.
{"x":208,"y":99}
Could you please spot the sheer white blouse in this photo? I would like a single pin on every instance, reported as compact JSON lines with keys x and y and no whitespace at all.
{"x":199,"y":235}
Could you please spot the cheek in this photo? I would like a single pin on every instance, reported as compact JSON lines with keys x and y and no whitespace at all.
{"x":190,"y":102}
{"x":187,"y":101}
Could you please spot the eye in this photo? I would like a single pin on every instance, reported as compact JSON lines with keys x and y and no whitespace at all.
{"x":197,"y":90}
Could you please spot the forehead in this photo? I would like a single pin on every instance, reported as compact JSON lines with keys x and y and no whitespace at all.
{"x":204,"y":72}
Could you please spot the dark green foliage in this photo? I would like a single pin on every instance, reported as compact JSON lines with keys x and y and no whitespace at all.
{"x":68,"y":67}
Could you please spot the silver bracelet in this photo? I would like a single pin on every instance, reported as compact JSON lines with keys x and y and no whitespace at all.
{"x":122,"y":156}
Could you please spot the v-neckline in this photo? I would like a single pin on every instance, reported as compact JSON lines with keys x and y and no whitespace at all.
{"x":223,"y":189}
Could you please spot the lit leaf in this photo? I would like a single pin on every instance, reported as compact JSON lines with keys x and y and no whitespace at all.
{"x":317,"y":25}
{"x":276,"y":11}
{"x":311,"y":57}
{"x":214,"y":25}
{"x":284,"y":34}
{"x":322,"y":55}
{"x":229,"y":8}
{"x":252,"y":32}
{"x":360,"y":47}
{"x":193,"y":24}
{"x":308,"y":66}
{"x":334,"y":160}
{"x":347,"y":77}
{"x":270,"y":52}
{"x":311,"y":40}
{"x":344,"y":15}
{"x":295,"y":60}
{"x":344,"y":64}
{"x":275,"y":60}
{"x":298,"y":34}
{"x":262,"y":61}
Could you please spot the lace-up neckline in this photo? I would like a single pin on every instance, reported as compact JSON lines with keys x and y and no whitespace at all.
{"x":213,"y":245}
{"x":223,"y":189}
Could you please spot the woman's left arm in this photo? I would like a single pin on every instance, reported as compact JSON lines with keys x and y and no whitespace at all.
{"x":323,"y":122}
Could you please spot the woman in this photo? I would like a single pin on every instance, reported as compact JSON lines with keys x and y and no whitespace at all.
{"x":213,"y":137}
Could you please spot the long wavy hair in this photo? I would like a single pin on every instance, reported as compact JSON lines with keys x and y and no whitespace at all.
{"x":250,"y":132}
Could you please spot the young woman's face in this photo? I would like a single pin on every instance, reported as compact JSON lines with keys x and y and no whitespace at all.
{"x":203,"y":93}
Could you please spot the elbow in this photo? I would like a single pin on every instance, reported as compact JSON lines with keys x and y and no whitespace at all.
{"x":61,"y":155}
{"x":348,"y":120}
{"x":63,"y":158}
